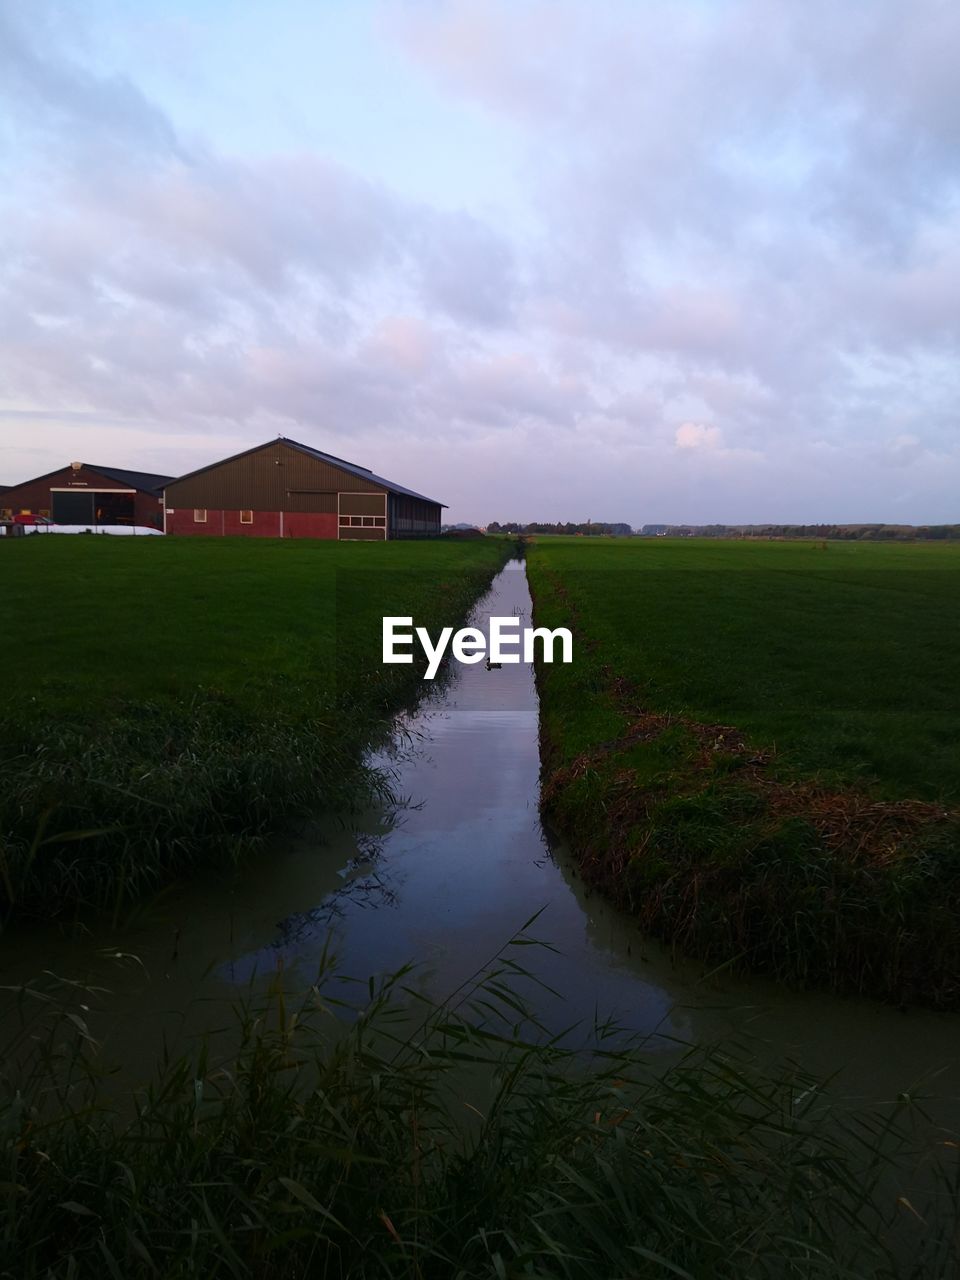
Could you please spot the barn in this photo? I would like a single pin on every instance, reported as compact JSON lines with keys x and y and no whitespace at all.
{"x":284,"y":489}
{"x":83,"y":493}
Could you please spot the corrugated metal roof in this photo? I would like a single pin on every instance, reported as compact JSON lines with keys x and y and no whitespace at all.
{"x":363,"y":472}
{"x":146,"y":481}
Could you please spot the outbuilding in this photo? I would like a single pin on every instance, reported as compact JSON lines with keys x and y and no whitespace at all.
{"x":284,"y":489}
{"x":85,"y":494}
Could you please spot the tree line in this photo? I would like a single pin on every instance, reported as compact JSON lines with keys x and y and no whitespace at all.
{"x":843,"y":532}
{"x":587,"y":529}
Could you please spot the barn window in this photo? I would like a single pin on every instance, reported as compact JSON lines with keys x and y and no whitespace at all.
{"x":344,"y":522}
{"x":200,"y":515}
{"x":356,"y":521}
{"x":367,"y":521}
{"x":246,"y":517}
{"x":380,"y":522}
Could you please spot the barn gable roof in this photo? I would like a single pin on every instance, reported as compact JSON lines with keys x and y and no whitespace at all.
{"x":144,"y":481}
{"x":352,"y":468}
{"x":363,"y":472}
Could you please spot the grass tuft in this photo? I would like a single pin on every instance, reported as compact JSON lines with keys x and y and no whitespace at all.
{"x":366,"y":1131}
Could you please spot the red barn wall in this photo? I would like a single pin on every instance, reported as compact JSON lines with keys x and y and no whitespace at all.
{"x":266,"y":524}
{"x":304,"y":524}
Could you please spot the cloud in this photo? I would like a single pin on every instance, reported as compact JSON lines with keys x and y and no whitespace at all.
{"x":466,"y":269}
{"x":53,"y":93}
{"x":742,"y":218}
{"x":902,"y":451}
{"x":696,"y":435}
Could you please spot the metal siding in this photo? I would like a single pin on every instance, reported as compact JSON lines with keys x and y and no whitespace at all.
{"x":359,"y":534}
{"x":311,"y":503}
{"x":304,"y":473}
{"x":363,"y":504}
{"x":414,"y":518}
{"x":273,"y":478}
{"x":360,"y":473}
{"x":251,"y":483}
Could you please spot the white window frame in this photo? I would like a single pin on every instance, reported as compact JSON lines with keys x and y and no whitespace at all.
{"x":199,"y":518}
{"x":246,"y":512}
{"x":363,"y":493}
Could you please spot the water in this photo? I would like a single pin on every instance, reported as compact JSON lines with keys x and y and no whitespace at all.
{"x":446,"y":881}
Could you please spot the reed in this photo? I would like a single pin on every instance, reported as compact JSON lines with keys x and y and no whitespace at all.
{"x":97,"y":822}
{"x":365,"y":1131}
{"x":180,"y":720}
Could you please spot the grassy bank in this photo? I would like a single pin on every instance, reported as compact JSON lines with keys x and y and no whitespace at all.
{"x":165,"y":703}
{"x":422,"y":1141}
{"x":755,"y":750}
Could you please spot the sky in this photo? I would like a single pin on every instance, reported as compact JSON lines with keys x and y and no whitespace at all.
{"x":640,"y":260}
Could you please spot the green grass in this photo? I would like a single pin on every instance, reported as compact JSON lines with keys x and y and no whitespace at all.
{"x":166,"y":702}
{"x":756,"y":749}
{"x":369,"y":1133}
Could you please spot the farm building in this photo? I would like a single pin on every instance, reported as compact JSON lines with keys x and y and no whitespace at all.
{"x":82,"y":493}
{"x":288,"y":490}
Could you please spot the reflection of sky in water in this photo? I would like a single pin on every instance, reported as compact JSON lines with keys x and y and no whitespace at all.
{"x":445,"y":882}
{"x":466,"y":862}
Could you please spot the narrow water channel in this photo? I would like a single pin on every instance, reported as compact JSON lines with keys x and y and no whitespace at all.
{"x":445,"y":881}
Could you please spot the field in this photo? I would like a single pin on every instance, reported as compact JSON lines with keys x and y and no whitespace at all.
{"x":756,"y":749}
{"x":165,"y":702}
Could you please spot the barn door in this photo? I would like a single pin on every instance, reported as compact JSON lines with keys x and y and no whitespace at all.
{"x":72,"y":508}
{"x":362,"y":517}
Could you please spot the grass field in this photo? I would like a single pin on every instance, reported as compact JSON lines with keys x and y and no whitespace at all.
{"x":165,"y":701}
{"x":756,"y":749}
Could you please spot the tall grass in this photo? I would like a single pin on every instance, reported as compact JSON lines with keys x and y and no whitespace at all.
{"x":211,"y":734}
{"x":369,"y":1132}
{"x":95,"y":820}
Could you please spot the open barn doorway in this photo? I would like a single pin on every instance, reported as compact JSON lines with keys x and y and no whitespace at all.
{"x":92,"y":506}
{"x":113,"y":508}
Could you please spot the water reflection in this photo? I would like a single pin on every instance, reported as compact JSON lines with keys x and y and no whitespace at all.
{"x":446,"y":880}
{"x":465,"y":863}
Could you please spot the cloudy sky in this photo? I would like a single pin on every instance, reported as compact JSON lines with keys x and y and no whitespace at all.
{"x":658,"y":260}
